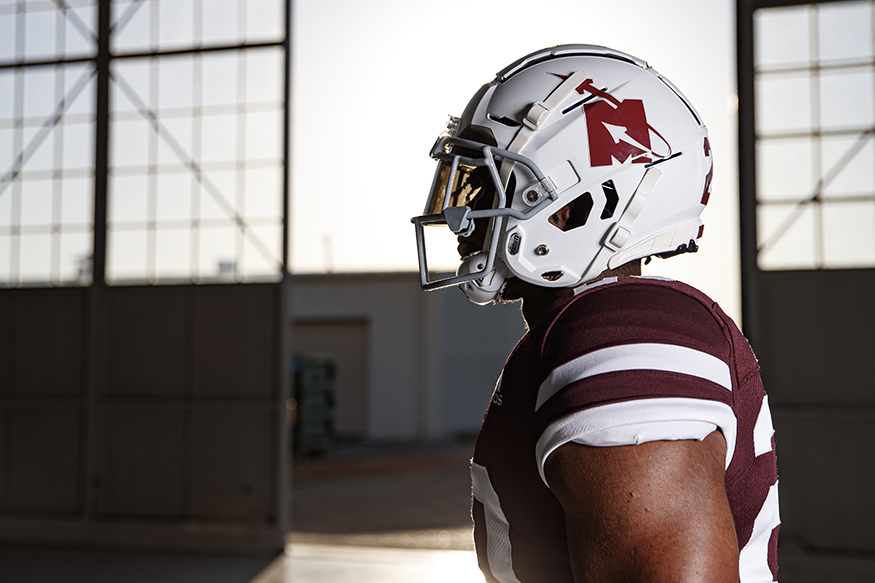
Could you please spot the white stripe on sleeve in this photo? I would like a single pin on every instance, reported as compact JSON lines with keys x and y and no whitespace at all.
{"x":763,"y":430}
{"x":639,"y":421}
{"x":643,"y":356}
{"x":498,"y":549}
{"x":753,"y":560}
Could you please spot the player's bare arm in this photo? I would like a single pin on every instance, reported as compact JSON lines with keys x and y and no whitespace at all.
{"x":654,"y":512}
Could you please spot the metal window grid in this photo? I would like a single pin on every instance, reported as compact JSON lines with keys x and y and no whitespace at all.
{"x":77,"y":143}
{"x":808,"y":214}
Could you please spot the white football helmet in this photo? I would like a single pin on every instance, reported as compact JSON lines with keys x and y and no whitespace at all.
{"x":584,"y":131}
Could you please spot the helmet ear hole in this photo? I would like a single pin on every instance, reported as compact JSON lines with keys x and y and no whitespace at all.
{"x":574,"y":214}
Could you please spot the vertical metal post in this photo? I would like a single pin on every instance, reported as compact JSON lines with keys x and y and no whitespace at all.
{"x":747,"y":179}
{"x":101,"y":159}
{"x":284,"y":388}
{"x":96,"y":293}
{"x":287,"y":140}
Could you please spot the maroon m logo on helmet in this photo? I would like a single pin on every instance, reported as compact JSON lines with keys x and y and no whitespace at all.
{"x":618,"y":131}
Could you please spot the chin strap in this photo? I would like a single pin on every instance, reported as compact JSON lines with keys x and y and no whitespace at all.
{"x":620,"y":232}
{"x":538,"y":114}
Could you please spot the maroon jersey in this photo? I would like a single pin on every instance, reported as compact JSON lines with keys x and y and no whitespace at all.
{"x":622,"y":362}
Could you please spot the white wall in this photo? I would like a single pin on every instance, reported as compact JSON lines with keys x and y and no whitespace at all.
{"x":433,"y":358}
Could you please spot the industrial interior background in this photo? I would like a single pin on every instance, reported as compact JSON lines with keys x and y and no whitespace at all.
{"x":148,"y":317}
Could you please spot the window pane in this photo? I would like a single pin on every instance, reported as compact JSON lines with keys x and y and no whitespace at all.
{"x":783,"y":103}
{"x":847,"y":99}
{"x":5,"y":249}
{"x":39,"y":92}
{"x":77,"y":43}
{"x":6,"y":151}
{"x":134,"y":37}
{"x":217,"y":251}
{"x":39,"y":147}
{"x":795,"y":249}
{"x":264,"y":76}
{"x":7,"y":37}
{"x":173,"y":253}
{"x":7,"y":92}
{"x":174,"y":82}
{"x":264,"y":193}
{"x":174,"y":197}
{"x":129,"y":143}
{"x":36,"y":202}
{"x":220,"y":78}
{"x":265,"y":20}
{"x":78,"y":146}
{"x":849,"y":234}
{"x":784,"y":169}
{"x":127,"y":199}
{"x":852,"y":162}
{"x":258,"y":263}
{"x":845,"y":31}
{"x":39,"y":34}
{"x":126,"y":255}
{"x":77,"y":201}
{"x":176,"y":24}
{"x":6,"y":219}
{"x":782,"y":36}
{"x":220,"y":22}
{"x":75,"y":260}
{"x":264,"y":136}
{"x":35,"y":259}
{"x":176,"y":145}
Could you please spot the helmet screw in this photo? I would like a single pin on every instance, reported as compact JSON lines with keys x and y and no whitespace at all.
{"x":532,"y":196}
{"x":542,"y":250}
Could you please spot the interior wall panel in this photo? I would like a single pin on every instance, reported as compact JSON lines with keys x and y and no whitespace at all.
{"x":146,"y":342}
{"x":141,"y":468}
{"x":231,"y":471}
{"x":825,"y":468}
{"x":808,"y":281}
{"x":143,"y":325}
{"x":47,"y":349}
{"x":235,"y":331}
{"x":6,"y":342}
{"x":41,"y":460}
{"x":814,"y":337}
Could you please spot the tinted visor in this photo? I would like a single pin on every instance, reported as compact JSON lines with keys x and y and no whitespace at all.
{"x":466,"y":185}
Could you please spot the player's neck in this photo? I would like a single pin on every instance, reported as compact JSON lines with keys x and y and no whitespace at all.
{"x":537,"y":300}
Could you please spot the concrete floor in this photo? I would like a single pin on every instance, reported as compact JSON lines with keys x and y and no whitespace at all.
{"x":305,"y":563}
{"x":385,"y":495}
{"x":367,"y":513}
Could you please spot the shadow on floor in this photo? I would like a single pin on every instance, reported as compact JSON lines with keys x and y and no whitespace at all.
{"x":57,"y":565}
{"x":385,"y":495}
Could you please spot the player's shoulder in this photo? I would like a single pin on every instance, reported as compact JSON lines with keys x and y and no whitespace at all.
{"x":636,"y":310}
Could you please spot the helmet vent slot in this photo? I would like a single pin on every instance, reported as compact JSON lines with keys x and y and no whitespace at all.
{"x":552,"y":275}
{"x":589,"y":97}
{"x":505,"y":121}
{"x":611,"y":199}
{"x":574,"y":214}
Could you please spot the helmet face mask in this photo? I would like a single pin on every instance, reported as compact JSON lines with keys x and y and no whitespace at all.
{"x":579,"y":159}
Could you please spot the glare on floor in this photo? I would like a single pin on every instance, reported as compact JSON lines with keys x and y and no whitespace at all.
{"x":307,"y":563}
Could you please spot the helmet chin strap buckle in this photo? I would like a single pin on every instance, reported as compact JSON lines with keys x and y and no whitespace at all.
{"x":488,"y":288}
{"x":617,"y":237}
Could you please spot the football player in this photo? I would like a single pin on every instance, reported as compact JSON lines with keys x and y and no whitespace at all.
{"x":629,"y":437}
